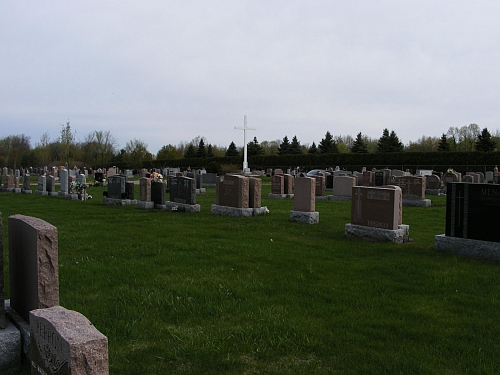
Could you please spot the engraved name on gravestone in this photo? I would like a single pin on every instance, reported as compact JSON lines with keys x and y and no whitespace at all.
{"x":33,"y":264}
{"x":472,"y":211}
{"x":377,"y":207}
{"x":233,"y":191}
{"x":277,"y":184}
{"x":183,"y":190}
{"x":65,"y":342}
{"x":116,"y":186}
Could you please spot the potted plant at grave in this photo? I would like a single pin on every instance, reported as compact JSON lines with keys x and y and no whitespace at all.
{"x":156,"y":177}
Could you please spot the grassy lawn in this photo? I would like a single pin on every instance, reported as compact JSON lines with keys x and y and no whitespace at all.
{"x":185,"y":293}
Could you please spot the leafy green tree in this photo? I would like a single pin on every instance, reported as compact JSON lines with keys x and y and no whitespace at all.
{"x":443,"y":144}
{"x":66,"y":140}
{"x":136,"y":152}
{"x":295,"y":147}
{"x":190,"y":152}
{"x":389,"y":142}
{"x":327,"y":145}
{"x":232,"y":150}
{"x":284,"y":146}
{"x":200,"y":151}
{"x":359,"y":146}
{"x":484,"y":142}
{"x":167,"y":152}
{"x":313,"y":149}
{"x":254,"y":148}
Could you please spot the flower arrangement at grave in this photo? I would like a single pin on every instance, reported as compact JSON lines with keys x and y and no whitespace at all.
{"x":450,"y":170}
{"x":79,"y":188}
{"x":156,"y":177}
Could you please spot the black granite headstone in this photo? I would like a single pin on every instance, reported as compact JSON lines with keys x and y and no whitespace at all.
{"x":99,"y":176}
{"x":129,"y":190}
{"x":379,"y":179}
{"x":158,"y":192}
{"x":183,"y":190}
{"x":116,"y":186}
{"x":329,"y":181}
{"x":472,"y":211}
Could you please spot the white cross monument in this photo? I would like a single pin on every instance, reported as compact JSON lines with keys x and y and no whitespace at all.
{"x":245,"y":128}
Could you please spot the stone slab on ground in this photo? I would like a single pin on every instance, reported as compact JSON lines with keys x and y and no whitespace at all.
{"x":23,"y":327}
{"x":304,"y":217}
{"x":400,"y":235}
{"x":143,"y":205}
{"x":280,"y":196}
{"x":237,"y":212}
{"x":434,"y":192}
{"x":10,"y":347}
{"x":27,"y":191}
{"x":417,"y":203}
{"x":471,"y":248}
{"x":118,"y":202}
{"x":180,"y":207}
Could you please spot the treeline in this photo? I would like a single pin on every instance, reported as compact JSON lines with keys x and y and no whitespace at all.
{"x":99,"y":149}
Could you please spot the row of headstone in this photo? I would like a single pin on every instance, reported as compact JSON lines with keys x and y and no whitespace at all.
{"x":56,"y":340}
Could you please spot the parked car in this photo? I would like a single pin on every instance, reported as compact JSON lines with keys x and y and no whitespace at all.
{"x":314,"y":172}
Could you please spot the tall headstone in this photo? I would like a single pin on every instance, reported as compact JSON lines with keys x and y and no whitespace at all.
{"x":288,"y":186}
{"x":305,"y":193}
{"x":277,"y":184}
{"x":116,"y":186}
{"x":42,"y":186}
{"x":254,"y":192}
{"x":377,"y":207}
{"x":183,"y":190}
{"x":63,"y":180}
{"x":232,"y":191}
{"x":33,"y":264}
{"x":320,"y":185}
{"x":342,"y":185}
{"x":379,"y":178}
{"x":50,"y":184}
{"x":65,"y":342}
{"x":145,"y":189}
{"x":158,"y":192}
{"x":472,"y":211}
{"x":129,"y":190}
{"x":9,"y":181}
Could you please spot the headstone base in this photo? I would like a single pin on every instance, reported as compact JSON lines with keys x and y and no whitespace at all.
{"x":118,"y":202}
{"x":471,"y":248}
{"x":72,"y":197}
{"x":63,"y":193}
{"x":43,"y":193}
{"x":201,"y":191}
{"x":53,"y":194}
{"x":181,"y":207}
{"x":334,"y":198}
{"x":10,"y":347}
{"x":433,"y":192}
{"x":417,"y":203}
{"x":16,"y":190}
{"x":27,"y":191}
{"x":279,"y":196}
{"x":304,"y":217}
{"x":24,"y":329}
{"x":400,"y":235}
{"x":238,"y":212}
{"x":143,"y":205}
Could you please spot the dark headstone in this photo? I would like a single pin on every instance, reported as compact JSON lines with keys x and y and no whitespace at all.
{"x":99,"y":176}
{"x":129,"y":190}
{"x":183,"y":190}
{"x":158,"y":192}
{"x":232,"y":191}
{"x":379,"y":178}
{"x":329,"y":181}
{"x":116,"y":186}
{"x":472,"y":211}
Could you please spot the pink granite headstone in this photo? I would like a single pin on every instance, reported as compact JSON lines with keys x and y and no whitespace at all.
{"x":305,"y":192}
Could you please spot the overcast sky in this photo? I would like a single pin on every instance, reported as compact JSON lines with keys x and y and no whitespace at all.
{"x":167,"y":71}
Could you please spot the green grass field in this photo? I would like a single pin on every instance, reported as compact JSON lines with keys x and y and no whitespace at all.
{"x":179,"y":293}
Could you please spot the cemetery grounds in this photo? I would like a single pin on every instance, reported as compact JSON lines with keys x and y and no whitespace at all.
{"x":184,"y":293}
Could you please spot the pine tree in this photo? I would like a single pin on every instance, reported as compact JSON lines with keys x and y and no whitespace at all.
{"x":284,"y":147}
{"x":295,"y":146}
{"x":443,"y":144}
{"x":484,"y":142}
{"x":359,"y":146}
{"x":201,"y":152}
{"x":210,"y":151}
{"x":313,"y":149}
{"x":232,"y":150}
{"x":395,"y":143}
{"x":327,"y":145}
{"x":254,"y":148}
{"x":389,"y":142}
{"x":190,"y":152}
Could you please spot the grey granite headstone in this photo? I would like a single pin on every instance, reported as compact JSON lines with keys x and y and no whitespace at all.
{"x":63,"y":179}
{"x":42,"y":184}
{"x":183,"y":190}
{"x":50,"y":184}
{"x":33,"y":264}
{"x":65,"y":342}
{"x":116,"y":186}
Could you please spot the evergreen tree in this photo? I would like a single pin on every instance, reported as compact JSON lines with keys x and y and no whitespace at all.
{"x":284,"y":147}
{"x":254,"y":148}
{"x":484,"y":142}
{"x":210,"y":152}
{"x":295,"y":146}
{"x":389,"y":142}
{"x":327,"y":145}
{"x":359,"y":146}
{"x":313,"y":149}
{"x":443,"y":144}
{"x":201,"y":152}
{"x":232,"y":150}
{"x":190,"y":152}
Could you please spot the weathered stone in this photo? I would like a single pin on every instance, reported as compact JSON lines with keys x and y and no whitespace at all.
{"x":145,"y":189}
{"x":65,"y":342}
{"x":377,"y":207}
{"x":471,"y":248}
{"x":399,"y":235}
{"x":304,"y":217}
{"x":10,"y":348}
{"x":33,"y":264}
